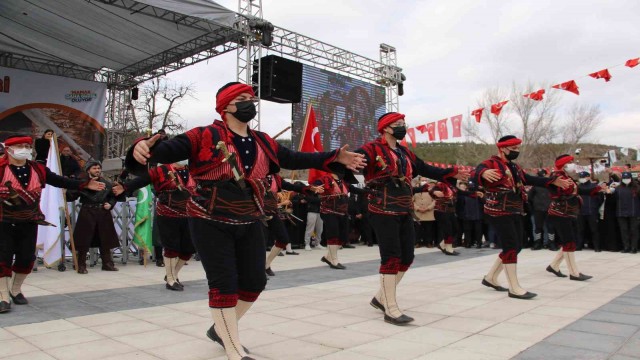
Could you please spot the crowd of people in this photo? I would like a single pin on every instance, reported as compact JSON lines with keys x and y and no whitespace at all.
{"x":219,"y":195}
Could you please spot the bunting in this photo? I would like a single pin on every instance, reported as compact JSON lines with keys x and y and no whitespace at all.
{"x":478,"y":114}
{"x":632,"y":62}
{"x":569,"y":86}
{"x":537,"y":95}
{"x":496,"y":109}
{"x":602,"y":74}
{"x":431,"y":129}
{"x":443,"y":133}
{"x":412,"y":136}
{"x":456,"y":123}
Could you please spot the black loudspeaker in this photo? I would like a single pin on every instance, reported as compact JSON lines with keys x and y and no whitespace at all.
{"x":281,"y":79}
{"x":134,"y":93}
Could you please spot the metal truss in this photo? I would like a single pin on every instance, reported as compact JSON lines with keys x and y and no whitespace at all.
{"x":51,"y":67}
{"x":250,"y":52}
{"x":392,"y":77}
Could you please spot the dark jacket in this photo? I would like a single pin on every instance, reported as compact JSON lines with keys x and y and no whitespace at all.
{"x":70,"y":166}
{"x":472,"y":209}
{"x":540,"y":198}
{"x":627,"y":201}
{"x":590,"y":203}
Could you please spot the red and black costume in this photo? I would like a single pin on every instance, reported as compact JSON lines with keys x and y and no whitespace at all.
{"x":388,"y":175}
{"x":504,"y":210}
{"x":563,"y":215}
{"x":173,"y":187}
{"x":445,"y":214}
{"x":225,"y":213}
{"x":334,"y":211}
{"x":20,"y":191}
{"x":276,"y":231}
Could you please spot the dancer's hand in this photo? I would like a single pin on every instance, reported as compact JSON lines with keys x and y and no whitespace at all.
{"x":95,"y":185}
{"x":562,"y":183}
{"x":491,"y":175}
{"x":353,"y":161}
{"x":463,"y":174}
{"x":141,"y":151}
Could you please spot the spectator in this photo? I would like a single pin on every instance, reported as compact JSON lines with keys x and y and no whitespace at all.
{"x":627,"y":212}
{"x":42,"y":146}
{"x":424,"y":206}
{"x":69,"y":164}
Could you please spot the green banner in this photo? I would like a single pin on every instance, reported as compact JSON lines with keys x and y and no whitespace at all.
{"x":142,"y":229}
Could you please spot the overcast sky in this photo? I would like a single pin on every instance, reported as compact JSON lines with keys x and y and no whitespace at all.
{"x":452,"y":51}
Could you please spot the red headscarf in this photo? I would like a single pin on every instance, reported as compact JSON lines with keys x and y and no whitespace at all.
{"x":388,"y":119}
{"x":18,"y":140}
{"x":508,"y":140}
{"x":230,"y":92}
{"x":562,"y":160}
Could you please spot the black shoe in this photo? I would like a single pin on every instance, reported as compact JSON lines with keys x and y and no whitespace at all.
{"x":625,"y":251}
{"x":177,"y":281}
{"x":553,"y":247}
{"x":196,"y":257}
{"x":280,"y":253}
{"x":556,"y":273}
{"x":598,"y":250}
{"x":269,"y":272}
{"x":348,"y":246}
{"x":292,"y":253}
{"x":174,"y":287}
{"x":400,"y":320}
{"x":213,"y":335}
{"x":581,"y":277}
{"x":370,"y":244}
{"x":537,"y":245}
{"x":495,"y":287}
{"x":4,"y":306}
{"x":376,"y":304}
{"x":525,"y":296}
{"x":453,"y":253}
{"x":634,"y":251}
{"x":479,"y":246}
{"x":441,"y":249}
{"x":160,"y":263}
{"x":338,"y":266}
{"x":19,"y":299}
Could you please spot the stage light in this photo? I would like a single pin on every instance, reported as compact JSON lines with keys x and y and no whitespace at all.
{"x":401,"y":84}
{"x":266,"y":31}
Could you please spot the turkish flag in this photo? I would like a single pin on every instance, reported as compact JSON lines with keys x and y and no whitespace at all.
{"x":456,"y":122}
{"x":478,"y":114}
{"x":412,"y":136}
{"x":311,"y":141}
{"x":602,"y":74}
{"x":422,"y":128}
{"x":497,"y":108}
{"x":431,"y":129}
{"x":569,"y":86}
{"x":537,"y":96}
{"x":632,"y":62}
{"x":443,"y":132}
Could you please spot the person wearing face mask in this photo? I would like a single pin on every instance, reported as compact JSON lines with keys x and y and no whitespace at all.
{"x":21,"y":186}
{"x":504,"y":181}
{"x":563,"y":214}
{"x":540,"y":199}
{"x":445,"y":196}
{"x":390,"y":168}
{"x":589,"y":213}
{"x":94,"y":226}
{"x":173,"y":187}
{"x":230,"y":162}
{"x":626,"y":197}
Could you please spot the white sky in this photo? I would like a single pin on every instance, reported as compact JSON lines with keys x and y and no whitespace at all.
{"x":451,"y":51}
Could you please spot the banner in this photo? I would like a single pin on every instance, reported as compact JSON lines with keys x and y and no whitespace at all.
{"x":311,"y":141}
{"x":74,"y":109}
{"x":142,"y":227}
{"x":51,"y":203}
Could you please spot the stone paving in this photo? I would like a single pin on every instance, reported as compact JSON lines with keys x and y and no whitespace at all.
{"x":312,"y":312}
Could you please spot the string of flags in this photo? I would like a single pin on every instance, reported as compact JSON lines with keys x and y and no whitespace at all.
{"x":456,"y":121}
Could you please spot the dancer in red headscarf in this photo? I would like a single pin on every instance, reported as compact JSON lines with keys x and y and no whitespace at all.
{"x":390,"y":168}
{"x":230,"y":163}
{"x":504,"y":181}
{"x":563,"y":215}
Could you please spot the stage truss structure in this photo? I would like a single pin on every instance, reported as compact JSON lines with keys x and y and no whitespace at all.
{"x":245,"y":37}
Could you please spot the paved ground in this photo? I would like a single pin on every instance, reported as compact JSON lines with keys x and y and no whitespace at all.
{"x":312,"y":312}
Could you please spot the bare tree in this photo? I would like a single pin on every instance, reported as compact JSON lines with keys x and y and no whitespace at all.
{"x":582,"y":120}
{"x":159,"y":99}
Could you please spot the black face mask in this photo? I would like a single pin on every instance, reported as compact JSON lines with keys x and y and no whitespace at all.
{"x":512,"y":155}
{"x":245,"y":111}
{"x":399,"y":132}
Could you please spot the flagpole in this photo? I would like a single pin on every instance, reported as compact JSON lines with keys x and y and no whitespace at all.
{"x":66,"y":210}
{"x":281,"y":132}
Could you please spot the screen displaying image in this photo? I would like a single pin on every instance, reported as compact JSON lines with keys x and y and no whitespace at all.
{"x":346,"y":109}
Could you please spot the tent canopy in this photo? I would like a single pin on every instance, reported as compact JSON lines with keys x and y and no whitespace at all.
{"x":82,"y":38}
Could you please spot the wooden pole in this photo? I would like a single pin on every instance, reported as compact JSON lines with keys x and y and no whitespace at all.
{"x":281,"y":132}
{"x":66,"y":210}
